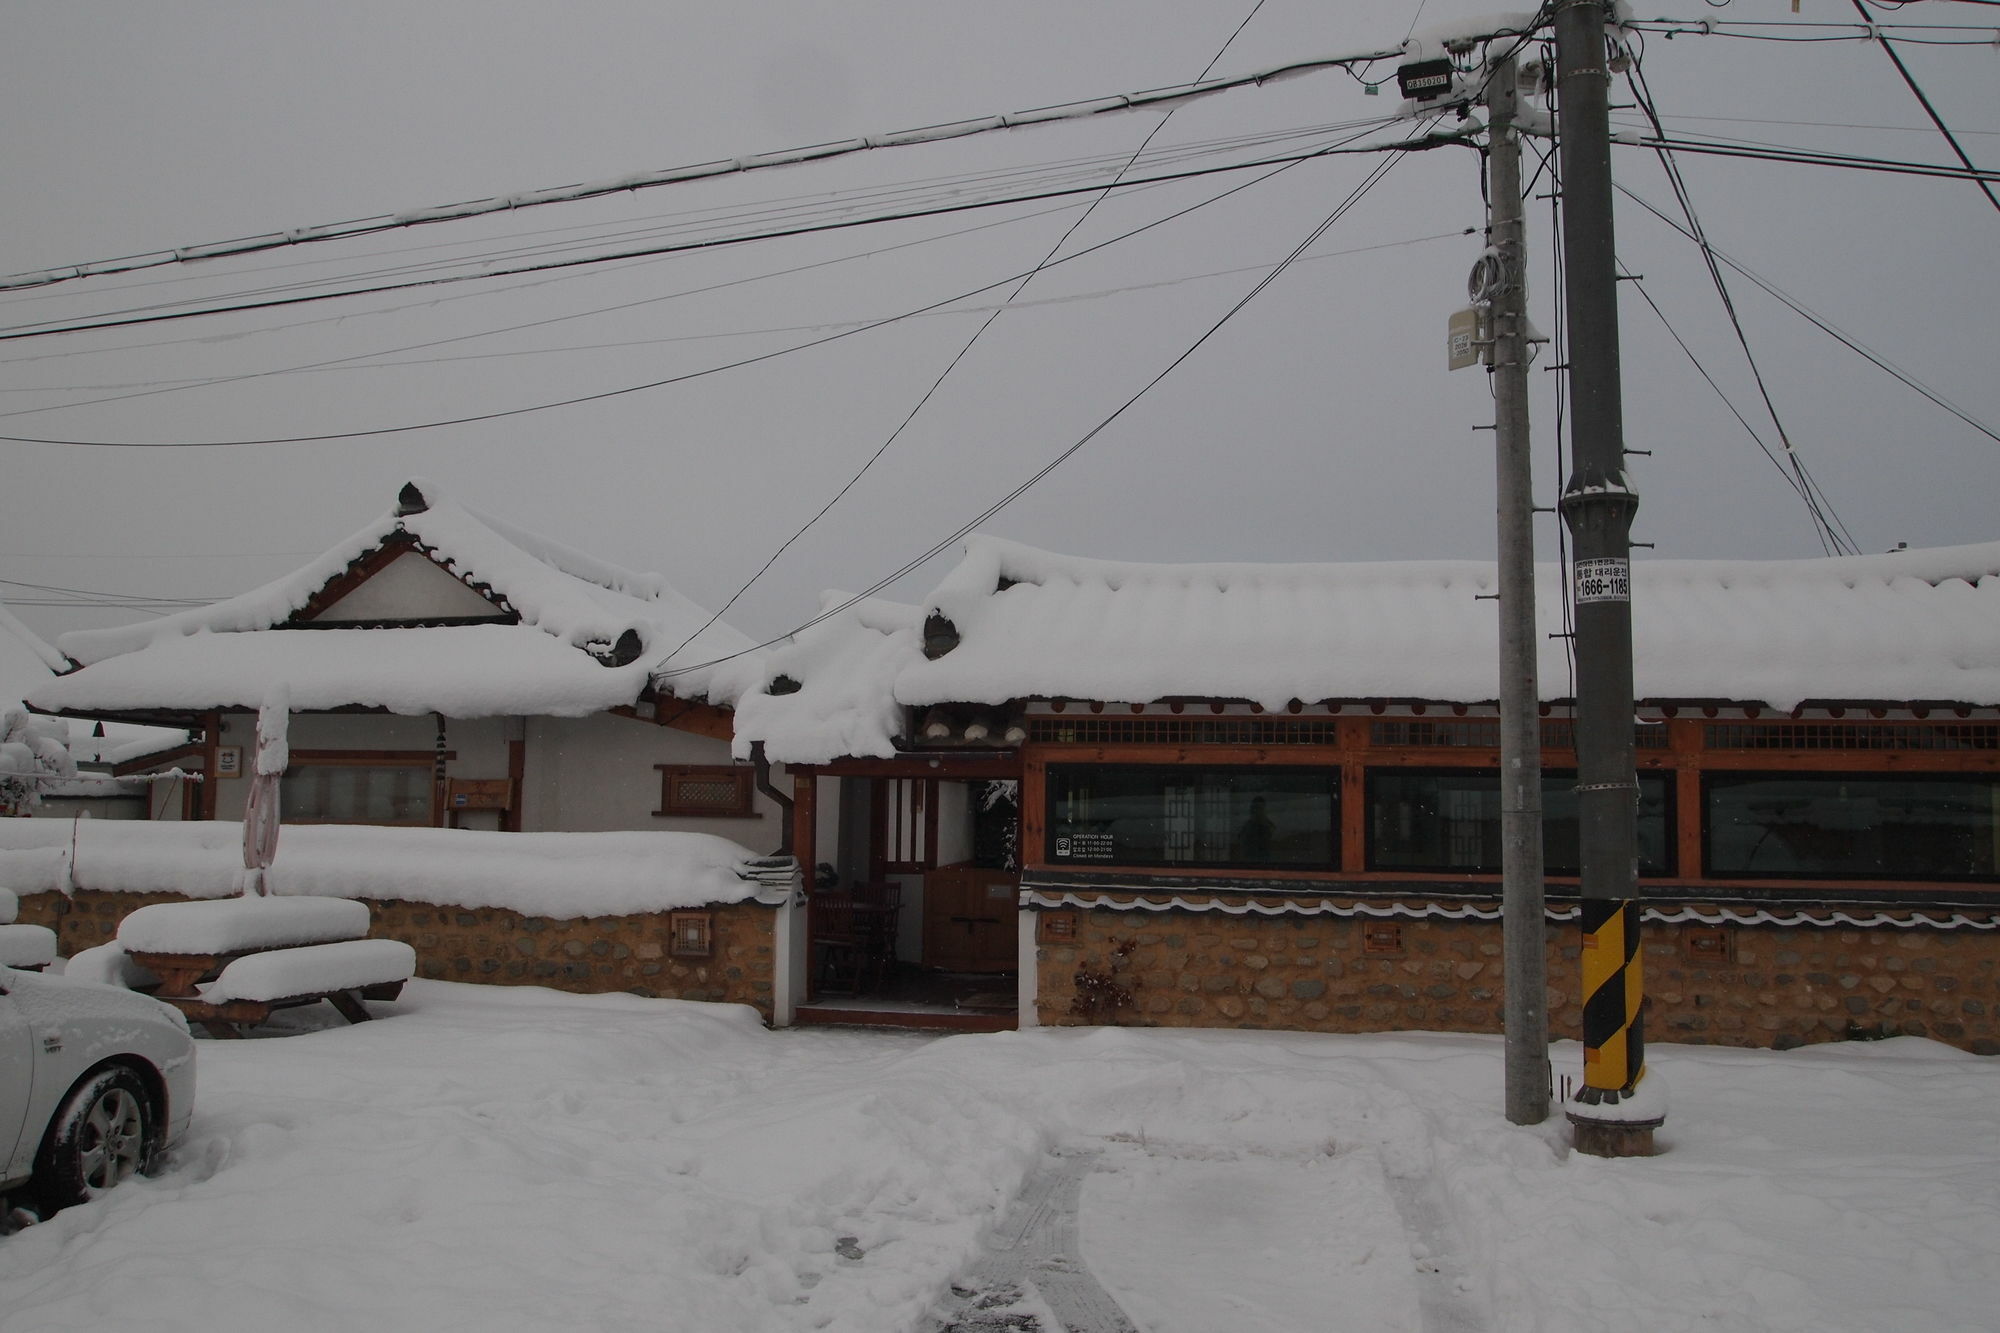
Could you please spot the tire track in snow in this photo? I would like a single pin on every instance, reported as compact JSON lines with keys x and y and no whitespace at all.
{"x":1035,"y":1250}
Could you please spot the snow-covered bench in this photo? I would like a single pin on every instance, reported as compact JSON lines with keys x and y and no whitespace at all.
{"x":346,"y":972}
{"x":181,"y":943}
{"x":30,"y":948}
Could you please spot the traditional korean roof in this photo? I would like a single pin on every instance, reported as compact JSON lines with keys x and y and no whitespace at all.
{"x":26,"y":662}
{"x":517,"y":625}
{"x":1011,"y":622}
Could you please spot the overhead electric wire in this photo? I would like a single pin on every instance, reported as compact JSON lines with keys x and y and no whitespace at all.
{"x":1156,"y":97}
{"x":1006,"y":302}
{"x":344,"y":361}
{"x":1836,"y":32}
{"x":1807,"y":157}
{"x":792,"y":209}
{"x":367,"y":363}
{"x":1428,"y":141}
{"x":1834,"y":534}
{"x":1354,"y":196}
{"x":95,"y":596}
{"x":1929,"y":110}
{"x":1873,"y":358}
{"x":52,"y":329}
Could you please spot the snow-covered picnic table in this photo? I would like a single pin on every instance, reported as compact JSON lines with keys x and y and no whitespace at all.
{"x":232,"y":961}
{"x":29,"y":947}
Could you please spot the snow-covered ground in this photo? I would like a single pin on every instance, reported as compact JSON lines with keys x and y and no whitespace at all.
{"x":497,"y":1159}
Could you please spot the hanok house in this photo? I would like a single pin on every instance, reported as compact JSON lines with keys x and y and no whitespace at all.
{"x":447,"y":670}
{"x":1267,"y":796}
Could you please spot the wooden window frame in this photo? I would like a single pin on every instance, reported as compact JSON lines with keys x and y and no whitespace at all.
{"x":672,"y":805}
{"x":424,"y":761}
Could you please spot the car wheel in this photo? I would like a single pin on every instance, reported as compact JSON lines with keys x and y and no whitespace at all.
{"x":99,"y":1138}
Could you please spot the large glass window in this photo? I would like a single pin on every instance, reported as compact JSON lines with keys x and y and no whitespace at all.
{"x":356,"y":794}
{"x":1425,"y":819}
{"x":1856,"y":826}
{"x":1273,"y":818}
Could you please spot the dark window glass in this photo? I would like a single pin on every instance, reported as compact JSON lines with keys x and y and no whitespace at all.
{"x":1428,"y":820}
{"x":1859,"y":826}
{"x":1161,"y":816}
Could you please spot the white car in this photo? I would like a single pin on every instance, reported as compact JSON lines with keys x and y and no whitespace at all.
{"x":95,"y":1084}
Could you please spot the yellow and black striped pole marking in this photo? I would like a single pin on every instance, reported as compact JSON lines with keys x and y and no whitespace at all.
{"x":1611,"y":1118}
{"x":1614,"y":1037}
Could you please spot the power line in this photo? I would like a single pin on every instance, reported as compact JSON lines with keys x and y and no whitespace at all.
{"x":1931,"y":111}
{"x":1157,"y":97}
{"x":1354,"y":196}
{"x":1833,"y":532}
{"x":1006,"y":302}
{"x":792,"y":209}
{"x":49,"y":329}
{"x":1804,"y":157}
{"x":1778,"y":294}
{"x":344,"y":364}
{"x":1426,"y":142}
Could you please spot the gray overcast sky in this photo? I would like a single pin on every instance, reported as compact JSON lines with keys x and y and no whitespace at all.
{"x":1320,"y":424}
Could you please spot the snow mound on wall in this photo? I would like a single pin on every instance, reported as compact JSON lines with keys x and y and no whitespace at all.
{"x":557,"y":875}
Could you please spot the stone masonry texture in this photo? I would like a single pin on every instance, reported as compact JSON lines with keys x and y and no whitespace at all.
{"x":1749,"y":985}
{"x":589,"y":955}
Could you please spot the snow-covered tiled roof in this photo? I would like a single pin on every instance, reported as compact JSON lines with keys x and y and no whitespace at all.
{"x":846,"y":669}
{"x":570,"y":606}
{"x":26,"y":661}
{"x":1911,"y":625}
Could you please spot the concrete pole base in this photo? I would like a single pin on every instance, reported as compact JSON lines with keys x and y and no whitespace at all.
{"x":1614,"y":1138}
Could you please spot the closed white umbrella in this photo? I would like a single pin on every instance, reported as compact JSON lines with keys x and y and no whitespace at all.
{"x":260,"y":814}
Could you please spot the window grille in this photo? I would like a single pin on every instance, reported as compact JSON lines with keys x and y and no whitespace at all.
{"x":1183,"y":730}
{"x":710,"y":791}
{"x":1483,"y":733}
{"x":1851,"y":736}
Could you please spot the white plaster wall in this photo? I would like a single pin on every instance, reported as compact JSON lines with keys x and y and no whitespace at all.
{"x":597,"y":773}
{"x":409,"y":587}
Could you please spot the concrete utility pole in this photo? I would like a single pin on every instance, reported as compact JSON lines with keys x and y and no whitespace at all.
{"x":1501,"y":278}
{"x":1612,"y":1116}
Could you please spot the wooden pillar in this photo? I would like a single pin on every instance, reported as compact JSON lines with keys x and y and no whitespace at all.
{"x":805,"y":847}
{"x":211,"y":761}
{"x":517,"y":781}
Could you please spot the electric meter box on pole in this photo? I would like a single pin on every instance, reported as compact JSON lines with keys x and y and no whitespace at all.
{"x":1425,"y":80}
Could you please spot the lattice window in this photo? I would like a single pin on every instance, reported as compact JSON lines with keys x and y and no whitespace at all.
{"x":716,"y":791}
{"x":1483,"y":733}
{"x":1183,"y":731}
{"x":1851,"y":736}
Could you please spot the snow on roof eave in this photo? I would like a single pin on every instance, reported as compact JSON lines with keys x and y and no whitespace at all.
{"x":11,"y":625}
{"x":260,"y":608}
{"x":553,"y":588}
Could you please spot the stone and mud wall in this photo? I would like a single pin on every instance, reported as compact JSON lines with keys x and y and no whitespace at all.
{"x":1731,"y":984}
{"x":589,"y":955}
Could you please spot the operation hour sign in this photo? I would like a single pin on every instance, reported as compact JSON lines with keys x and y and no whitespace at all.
{"x":1608,"y":580}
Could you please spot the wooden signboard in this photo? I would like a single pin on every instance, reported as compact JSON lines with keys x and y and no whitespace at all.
{"x":479,"y":794}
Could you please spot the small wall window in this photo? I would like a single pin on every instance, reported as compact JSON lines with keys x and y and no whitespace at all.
{"x":1450,"y":821}
{"x":1192,"y":816}
{"x":1851,"y":825}
{"x":712,"y":791}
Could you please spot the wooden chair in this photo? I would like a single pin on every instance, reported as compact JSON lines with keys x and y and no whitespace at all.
{"x":836,"y":943}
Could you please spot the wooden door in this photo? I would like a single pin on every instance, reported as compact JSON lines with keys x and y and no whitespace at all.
{"x":970,"y":919}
